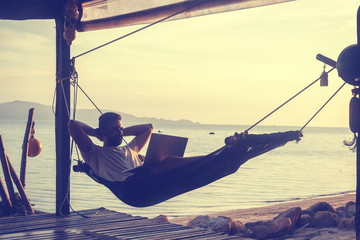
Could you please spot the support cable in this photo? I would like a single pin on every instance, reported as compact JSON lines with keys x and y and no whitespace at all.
{"x":74,"y":82}
{"x":323,"y":106}
{"x":194,"y":4}
{"x":287,"y":101}
{"x":77,"y":85}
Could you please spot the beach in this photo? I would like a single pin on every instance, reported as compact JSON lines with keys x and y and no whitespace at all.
{"x":269,"y":212}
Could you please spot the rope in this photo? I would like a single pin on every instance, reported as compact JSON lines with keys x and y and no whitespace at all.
{"x":53,"y":102}
{"x":287,"y":101}
{"x":58,"y":80}
{"x":323,"y":106}
{"x":74,"y":81}
{"x":74,"y":76}
{"x":67,"y":105}
{"x":77,"y":84}
{"x":194,"y":4}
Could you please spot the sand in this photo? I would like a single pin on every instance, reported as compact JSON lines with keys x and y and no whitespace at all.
{"x":269,"y":212}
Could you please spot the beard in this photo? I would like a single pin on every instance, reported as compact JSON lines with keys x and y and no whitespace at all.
{"x":116,"y":140}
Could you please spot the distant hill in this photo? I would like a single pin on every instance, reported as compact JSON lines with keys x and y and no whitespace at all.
{"x":18,"y":110}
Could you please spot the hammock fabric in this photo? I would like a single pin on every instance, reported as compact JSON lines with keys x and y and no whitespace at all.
{"x":145,"y":189}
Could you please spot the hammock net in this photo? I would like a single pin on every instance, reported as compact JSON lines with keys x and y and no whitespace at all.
{"x":144,"y":189}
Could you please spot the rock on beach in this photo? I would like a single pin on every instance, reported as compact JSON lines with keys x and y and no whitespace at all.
{"x":320,"y":220}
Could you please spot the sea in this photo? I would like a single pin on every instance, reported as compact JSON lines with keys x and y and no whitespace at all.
{"x":318,"y":165}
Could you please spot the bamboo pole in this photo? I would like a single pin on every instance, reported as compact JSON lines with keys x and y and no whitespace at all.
{"x":20,"y":187}
{"x":5,"y":198}
{"x":6,"y":171}
{"x":25,"y":147}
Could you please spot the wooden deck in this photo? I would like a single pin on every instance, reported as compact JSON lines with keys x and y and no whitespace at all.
{"x":98,"y":224}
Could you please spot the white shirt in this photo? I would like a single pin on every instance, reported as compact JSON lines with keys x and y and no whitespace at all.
{"x":110,"y":162}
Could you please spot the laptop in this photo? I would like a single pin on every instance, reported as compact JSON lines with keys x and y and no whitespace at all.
{"x":162,"y":146}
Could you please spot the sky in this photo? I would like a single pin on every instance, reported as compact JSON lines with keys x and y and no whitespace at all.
{"x":227,"y":68}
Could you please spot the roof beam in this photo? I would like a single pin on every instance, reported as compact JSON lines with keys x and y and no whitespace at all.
{"x":190,"y":8}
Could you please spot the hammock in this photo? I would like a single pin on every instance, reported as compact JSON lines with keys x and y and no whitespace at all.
{"x":144,"y":189}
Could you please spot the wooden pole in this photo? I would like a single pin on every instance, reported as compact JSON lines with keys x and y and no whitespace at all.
{"x":357,"y":215}
{"x":6,"y":171}
{"x":63,"y":160}
{"x":5,"y":199}
{"x":26,"y":147}
{"x":20,"y":187}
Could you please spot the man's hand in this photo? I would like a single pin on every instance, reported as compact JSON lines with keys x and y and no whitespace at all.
{"x":98,"y":134}
{"x":141,"y":132}
{"x":80,"y":133}
{"x":232,"y":140}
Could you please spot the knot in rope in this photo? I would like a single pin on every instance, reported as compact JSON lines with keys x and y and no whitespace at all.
{"x":73,"y":73}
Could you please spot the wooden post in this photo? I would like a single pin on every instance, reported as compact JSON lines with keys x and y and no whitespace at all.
{"x":357,"y":215}
{"x":26,"y":146}
{"x":20,"y":187}
{"x":6,"y":171}
{"x":63,"y":160}
{"x":5,"y":199}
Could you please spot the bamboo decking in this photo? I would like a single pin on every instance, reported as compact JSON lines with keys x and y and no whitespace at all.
{"x":98,"y":224}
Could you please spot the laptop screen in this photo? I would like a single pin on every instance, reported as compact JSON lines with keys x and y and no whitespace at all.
{"x":162,"y":146}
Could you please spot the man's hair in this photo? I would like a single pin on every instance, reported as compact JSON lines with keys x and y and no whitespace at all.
{"x":106,"y":118}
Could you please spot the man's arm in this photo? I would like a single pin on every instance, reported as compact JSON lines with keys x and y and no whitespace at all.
{"x":141,"y":132}
{"x":80,"y":132}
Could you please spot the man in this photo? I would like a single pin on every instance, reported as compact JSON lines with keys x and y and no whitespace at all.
{"x":111,"y":160}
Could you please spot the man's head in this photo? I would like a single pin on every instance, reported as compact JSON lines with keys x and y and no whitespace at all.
{"x":111,"y":128}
